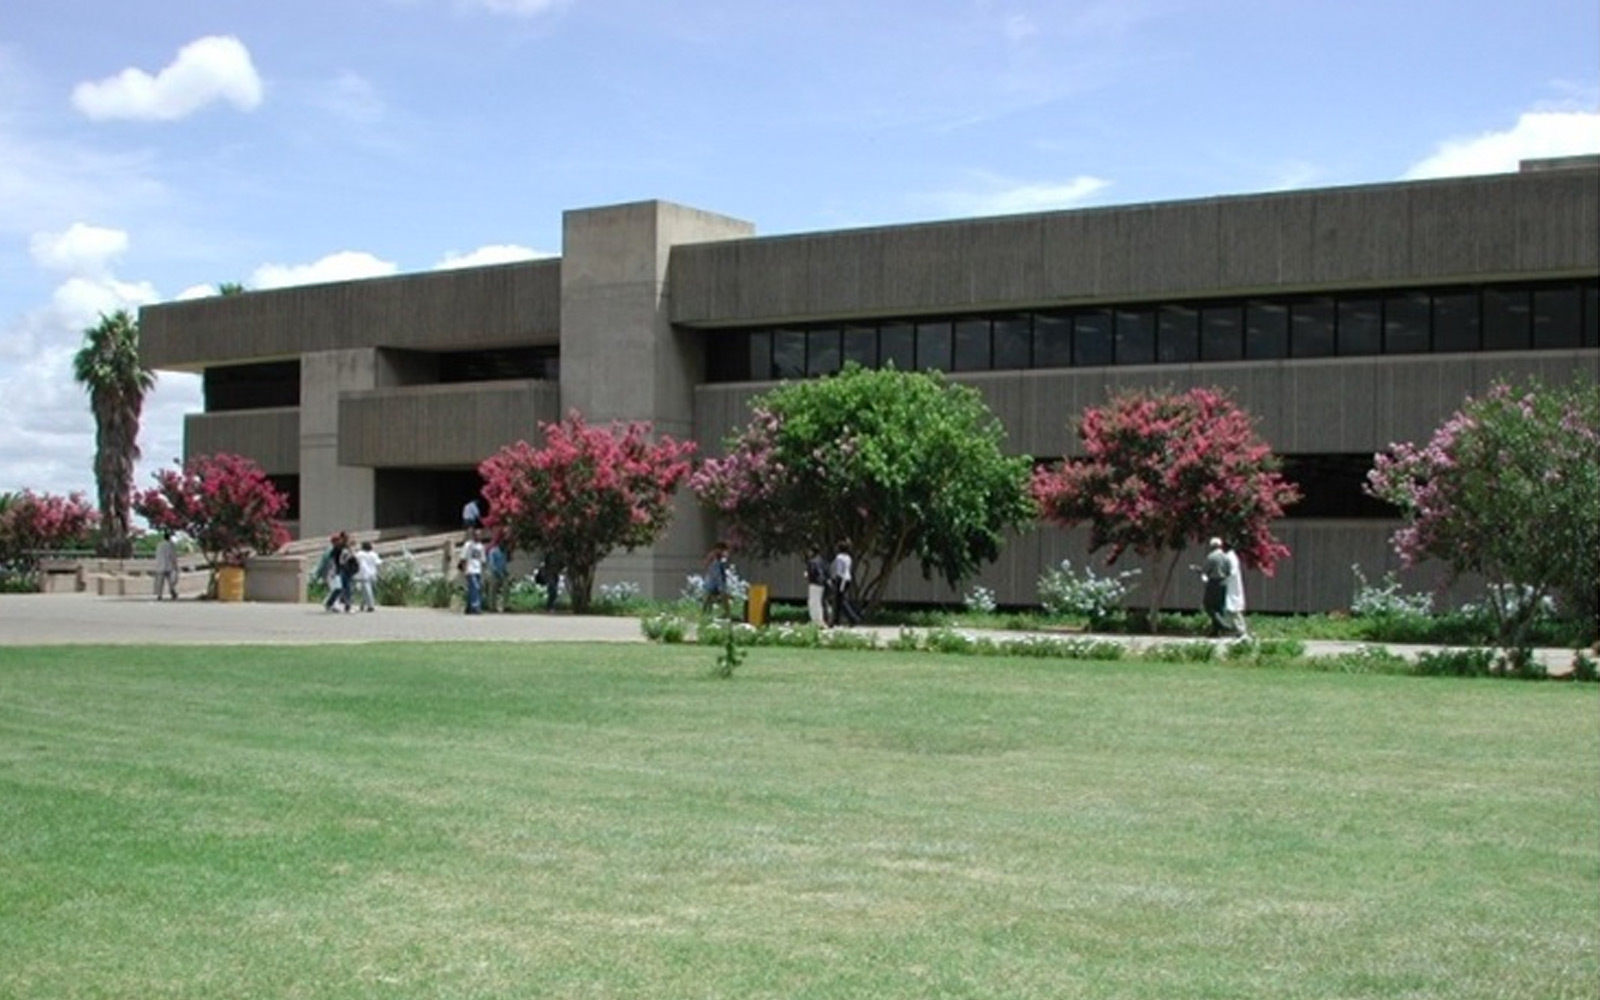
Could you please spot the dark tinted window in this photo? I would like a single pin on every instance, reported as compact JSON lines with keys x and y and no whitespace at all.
{"x":251,"y":387}
{"x":1330,"y":486}
{"x":1266,"y":330}
{"x":972,"y":345}
{"x":1311,"y":328}
{"x":1178,"y":334}
{"x":1507,"y":319}
{"x":861,"y":345}
{"x":933,"y":346}
{"x":1557,"y":314}
{"x":1091,"y":338}
{"x":761,"y":357}
{"x":1456,"y":321}
{"x":788,"y":354}
{"x":1405,"y":323}
{"x":1221,"y":333}
{"x":1013,"y":346}
{"x":1360,"y":326}
{"x":1136,"y":336}
{"x":1591,"y":315}
{"x":897,"y":346}
{"x":822,"y":352}
{"x":1052,"y":341}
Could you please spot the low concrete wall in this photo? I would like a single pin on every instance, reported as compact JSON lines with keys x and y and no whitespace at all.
{"x":276,"y":579}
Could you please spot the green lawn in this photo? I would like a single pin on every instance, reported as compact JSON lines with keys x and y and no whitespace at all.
{"x":426,"y":821}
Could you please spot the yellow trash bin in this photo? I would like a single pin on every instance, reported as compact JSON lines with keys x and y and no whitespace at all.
{"x":230,"y":583}
{"x":755,"y":604}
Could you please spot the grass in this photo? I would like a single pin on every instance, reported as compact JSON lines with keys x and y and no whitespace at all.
{"x":608,"y":821}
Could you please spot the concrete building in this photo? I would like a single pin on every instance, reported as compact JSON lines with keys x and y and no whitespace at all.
{"x":1344,"y":319}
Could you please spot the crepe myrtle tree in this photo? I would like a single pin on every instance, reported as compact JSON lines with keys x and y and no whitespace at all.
{"x":1162,"y":471}
{"x":223,"y":502}
{"x":35,"y":522}
{"x":588,"y":492}
{"x":1508,"y":488}
{"x":903,"y":465}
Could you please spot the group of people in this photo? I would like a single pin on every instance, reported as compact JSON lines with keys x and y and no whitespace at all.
{"x":349,"y":571}
{"x":830,"y":588}
{"x":1223,"y":596}
{"x":485,"y":565}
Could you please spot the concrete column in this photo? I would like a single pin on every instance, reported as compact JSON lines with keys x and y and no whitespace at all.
{"x":622,"y":360}
{"x":333,"y":497}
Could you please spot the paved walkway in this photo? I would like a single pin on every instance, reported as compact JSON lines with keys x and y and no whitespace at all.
{"x":64,"y":619}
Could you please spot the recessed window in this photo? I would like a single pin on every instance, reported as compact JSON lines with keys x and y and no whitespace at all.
{"x":1266,"y":331}
{"x":822,"y":352}
{"x":1360,"y":326}
{"x":1557,"y":314}
{"x":1311,"y":328}
{"x":933,"y":346}
{"x":1013,"y":342}
{"x":1457,"y":321}
{"x":1052,"y":341}
{"x":1221,"y":333}
{"x":1178,"y":335}
{"x":1092,"y":338}
{"x":788,"y":354}
{"x":972,"y":345}
{"x":897,"y":346}
{"x":861,"y":345}
{"x":1405,"y":323}
{"x":1136,"y":336}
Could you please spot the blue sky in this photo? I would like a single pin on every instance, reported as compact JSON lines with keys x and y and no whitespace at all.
{"x":151,"y":150}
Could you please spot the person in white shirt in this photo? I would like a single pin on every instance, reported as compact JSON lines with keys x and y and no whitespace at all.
{"x":472,"y":557}
{"x":166,"y":566}
{"x":1233,"y":601}
{"x":367,"y":563}
{"x":843,"y":577}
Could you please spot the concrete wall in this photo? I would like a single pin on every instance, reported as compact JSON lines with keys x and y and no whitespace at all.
{"x":333,"y":496}
{"x":454,"y":426}
{"x":269,"y":437}
{"x":469,"y":308}
{"x":620,"y":357}
{"x":1469,"y":229}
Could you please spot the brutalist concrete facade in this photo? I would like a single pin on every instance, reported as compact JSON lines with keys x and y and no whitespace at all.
{"x":646,"y":293}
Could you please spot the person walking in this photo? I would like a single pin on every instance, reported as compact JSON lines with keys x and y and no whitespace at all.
{"x":1233,"y":595}
{"x":842,"y":576}
{"x":1214,"y":579}
{"x":716,"y":580}
{"x":471,"y":515}
{"x":472,"y":559}
{"x":166,"y":566}
{"x":367,"y":563}
{"x":330,"y":569}
{"x":548,"y":576}
{"x":816,"y":587}
{"x":499,"y":574}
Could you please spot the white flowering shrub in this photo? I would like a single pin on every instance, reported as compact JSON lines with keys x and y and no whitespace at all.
{"x":1086,"y":595}
{"x":1387,"y":599}
{"x":981,"y":601}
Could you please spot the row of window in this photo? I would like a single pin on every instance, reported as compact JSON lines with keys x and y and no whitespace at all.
{"x":1545,"y":315}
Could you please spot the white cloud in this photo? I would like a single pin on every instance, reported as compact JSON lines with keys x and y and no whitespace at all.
{"x":1536,"y":134}
{"x":1002,"y":196}
{"x":210,"y":69}
{"x":81,"y":249}
{"x":498,"y":253}
{"x":517,"y":8}
{"x":345,"y":265}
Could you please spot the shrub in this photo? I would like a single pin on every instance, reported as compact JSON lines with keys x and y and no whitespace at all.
{"x":1096,"y":598}
{"x":1455,"y":663}
{"x":981,"y":601}
{"x":1387,"y":600}
{"x":1180,"y":652}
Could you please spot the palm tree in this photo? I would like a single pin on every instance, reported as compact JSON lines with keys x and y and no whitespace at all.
{"x":109,"y":369}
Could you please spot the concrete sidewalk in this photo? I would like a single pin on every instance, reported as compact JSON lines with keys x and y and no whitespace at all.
{"x":82,"y":619}
{"x":58,"y":619}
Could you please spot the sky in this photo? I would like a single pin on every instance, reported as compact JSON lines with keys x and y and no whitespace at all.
{"x":152,"y":151}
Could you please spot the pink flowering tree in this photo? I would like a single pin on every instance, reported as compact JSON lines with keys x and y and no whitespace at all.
{"x":35,"y":522}
{"x":1507,"y":489}
{"x":587,"y":492}
{"x":1162,"y":472}
{"x":904,"y":465}
{"x":224,"y":502}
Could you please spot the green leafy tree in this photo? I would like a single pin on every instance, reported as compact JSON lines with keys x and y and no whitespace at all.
{"x":1161,"y":472}
{"x":903,"y":465}
{"x":1508,"y":489}
{"x":109,"y":369}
